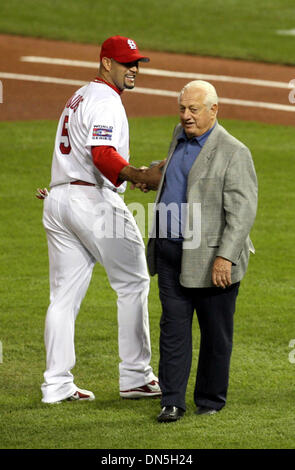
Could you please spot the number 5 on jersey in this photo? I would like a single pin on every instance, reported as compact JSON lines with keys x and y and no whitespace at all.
{"x":65,"y":146}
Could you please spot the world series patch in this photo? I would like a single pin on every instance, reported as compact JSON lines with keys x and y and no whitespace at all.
{"x":102,"y":132}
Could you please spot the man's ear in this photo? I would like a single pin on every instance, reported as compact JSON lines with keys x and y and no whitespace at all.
{"x":214,"y":108}
{"x":107,"y":63}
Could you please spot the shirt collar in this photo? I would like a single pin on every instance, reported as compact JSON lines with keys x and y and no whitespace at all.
{"x":101,"y":80}
{"x":201,"y":139}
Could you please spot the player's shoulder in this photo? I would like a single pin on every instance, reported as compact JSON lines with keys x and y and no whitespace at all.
{"x":102,"y":92}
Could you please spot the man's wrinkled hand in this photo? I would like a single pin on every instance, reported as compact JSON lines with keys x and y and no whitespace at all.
{"x":154,"y":175}
{"x":221,"y":272}
{"x":142,"y":186}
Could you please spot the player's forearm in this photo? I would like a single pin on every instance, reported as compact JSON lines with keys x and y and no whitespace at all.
{"x":151,"y":176}
{"x":132,"y":174}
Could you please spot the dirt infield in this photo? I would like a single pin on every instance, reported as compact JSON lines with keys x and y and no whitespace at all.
{"x":31,"y":99}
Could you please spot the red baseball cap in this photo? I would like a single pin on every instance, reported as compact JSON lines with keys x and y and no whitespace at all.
{"x":122,"y":50}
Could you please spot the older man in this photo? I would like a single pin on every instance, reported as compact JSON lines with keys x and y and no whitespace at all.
{"x":200,"y":250}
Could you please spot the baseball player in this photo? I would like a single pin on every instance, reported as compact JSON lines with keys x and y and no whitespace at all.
{"x":87,"y":221}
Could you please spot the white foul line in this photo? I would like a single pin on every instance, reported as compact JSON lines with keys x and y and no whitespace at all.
{"x":254,"y":104}
{"x":161,"y":73}
{"x":286,"y":32}
{"x":146,"y":91}
{"x":39,"y":78}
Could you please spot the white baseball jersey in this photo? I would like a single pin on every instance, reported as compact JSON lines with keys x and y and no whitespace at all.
{"x":93,"y":116}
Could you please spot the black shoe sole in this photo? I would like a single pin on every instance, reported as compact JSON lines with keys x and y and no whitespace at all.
{"x":169,"y":419}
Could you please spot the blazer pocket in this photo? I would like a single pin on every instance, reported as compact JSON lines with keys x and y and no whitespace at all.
{"x":213,"y":241}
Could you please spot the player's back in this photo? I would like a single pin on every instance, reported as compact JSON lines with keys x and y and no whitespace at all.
{"x":93,"y":116}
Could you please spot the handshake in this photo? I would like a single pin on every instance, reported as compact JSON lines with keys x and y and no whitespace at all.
{"x":145,"y":178}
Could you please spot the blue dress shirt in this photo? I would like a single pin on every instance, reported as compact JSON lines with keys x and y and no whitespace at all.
{"x":172,"y":218}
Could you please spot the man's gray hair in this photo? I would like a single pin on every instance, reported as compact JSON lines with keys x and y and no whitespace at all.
{"x":210,"y":92}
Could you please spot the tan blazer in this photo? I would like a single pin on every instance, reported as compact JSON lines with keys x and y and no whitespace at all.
{"x":222,"y":199}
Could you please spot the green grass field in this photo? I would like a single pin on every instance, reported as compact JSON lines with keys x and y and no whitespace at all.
{"x":259,"y":413}
{"x":224,"y":28}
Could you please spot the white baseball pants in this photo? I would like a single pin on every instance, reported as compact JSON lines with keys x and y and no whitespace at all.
{"x":85,"y":225}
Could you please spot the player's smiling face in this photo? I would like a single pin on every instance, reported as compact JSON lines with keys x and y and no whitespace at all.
{"x":124,"y":75}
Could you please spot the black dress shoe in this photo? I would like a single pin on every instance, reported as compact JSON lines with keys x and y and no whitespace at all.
{"x":169,"y":414}
{"x":204,"y":410}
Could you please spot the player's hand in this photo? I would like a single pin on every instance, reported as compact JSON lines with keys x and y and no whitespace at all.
{"x":141,"y":186}
{"x":221,"y":272}
{"x":143,"y":178}
{"x":41,"y":193}
{"x":153,"y":175}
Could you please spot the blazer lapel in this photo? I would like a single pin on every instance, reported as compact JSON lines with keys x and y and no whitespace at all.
{"x":205,"y":156}
{"x":201,"y":163}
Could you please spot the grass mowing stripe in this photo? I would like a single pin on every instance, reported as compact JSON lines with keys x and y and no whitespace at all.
{"x":259,"y":413}
{"x":228,"y":28}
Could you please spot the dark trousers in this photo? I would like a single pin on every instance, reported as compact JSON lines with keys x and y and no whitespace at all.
{"x":215,"y":311}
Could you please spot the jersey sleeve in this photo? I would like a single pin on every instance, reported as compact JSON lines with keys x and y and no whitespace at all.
{"x":104,"y":125}
{"x":109,"y":162}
